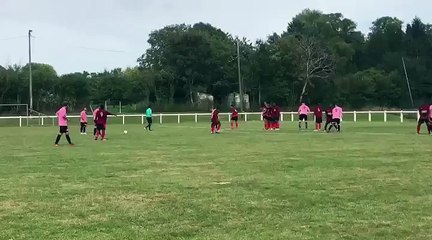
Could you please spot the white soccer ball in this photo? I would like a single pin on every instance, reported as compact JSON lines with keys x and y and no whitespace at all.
{"x":125,"y":132}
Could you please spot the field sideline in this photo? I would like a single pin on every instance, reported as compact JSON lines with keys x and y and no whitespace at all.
{"x":372,"y":181}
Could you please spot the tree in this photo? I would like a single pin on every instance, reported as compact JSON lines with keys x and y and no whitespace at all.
{"x":316,"y":63}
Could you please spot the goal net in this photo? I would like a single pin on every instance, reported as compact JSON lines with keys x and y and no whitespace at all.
{"x":14,"y":115}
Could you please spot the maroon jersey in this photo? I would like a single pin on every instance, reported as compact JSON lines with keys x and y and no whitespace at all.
{"x":101,"y":117}
{"x":234,"y":112}
{"x":424,"y":111}
{"x":329,"y":113}
{"x":318,"y":112}
{"x":265,"y":112}
{"x":215,"y":115}
{"x":276,"y":112}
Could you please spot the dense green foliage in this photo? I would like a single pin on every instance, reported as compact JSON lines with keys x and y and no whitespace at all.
{"x":319,"y":58}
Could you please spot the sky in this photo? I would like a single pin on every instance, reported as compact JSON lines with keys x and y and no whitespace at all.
{"x":94,"y":35}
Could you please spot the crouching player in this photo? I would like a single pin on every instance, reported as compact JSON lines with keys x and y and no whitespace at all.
{"x":424,"y":112}
{"x":215,"y":123}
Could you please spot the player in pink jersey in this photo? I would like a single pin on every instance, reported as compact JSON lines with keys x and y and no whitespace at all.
{"x":303,"y":112}
{"x":337,"y":114}
{"x":63,"y":124}
{"x":83,"y":121}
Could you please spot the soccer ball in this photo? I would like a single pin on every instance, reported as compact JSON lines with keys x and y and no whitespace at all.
{"x":125,"y":132}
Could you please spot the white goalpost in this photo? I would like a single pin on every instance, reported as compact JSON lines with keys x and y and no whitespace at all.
{"x":14,"y":110}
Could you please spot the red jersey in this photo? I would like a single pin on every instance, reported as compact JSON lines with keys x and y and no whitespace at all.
{"x":234,"y":112}
{"x":329,"y":113}
{"x":215,"y":115}
{"x":275,"y":112}
{"x":318,"y":112}
{"x":424,"y":111}
{"x":101,"y":116}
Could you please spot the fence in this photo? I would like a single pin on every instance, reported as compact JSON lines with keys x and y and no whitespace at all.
{"x":353,"y":116}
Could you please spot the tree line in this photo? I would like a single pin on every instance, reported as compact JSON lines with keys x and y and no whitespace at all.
{"x":319,"y":58}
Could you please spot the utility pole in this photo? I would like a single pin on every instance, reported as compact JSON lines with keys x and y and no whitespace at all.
{"x":30,"y":72}
{"x":239,"y":76}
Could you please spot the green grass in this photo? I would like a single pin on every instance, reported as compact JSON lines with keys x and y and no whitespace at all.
{"x":373,"y":181}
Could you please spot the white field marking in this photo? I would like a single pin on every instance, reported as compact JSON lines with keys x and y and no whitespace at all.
{"x":222,"y":183}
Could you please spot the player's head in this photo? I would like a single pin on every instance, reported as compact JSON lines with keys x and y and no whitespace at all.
{"x":102,"y":107}
{"x":232,"y":105}
{"x":149,"y":106}
{"x":84,"y":109}
{"x":65,"y":104}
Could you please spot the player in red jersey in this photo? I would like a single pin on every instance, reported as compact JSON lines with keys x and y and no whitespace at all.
{"x":318,"y":117}
{"x":100,"y":120}
{"x":329,"y":116}
{"x":275,"y":116}
{"x":215,"y":123}
{"x":424,"y":117}
{"x":234,"y":117}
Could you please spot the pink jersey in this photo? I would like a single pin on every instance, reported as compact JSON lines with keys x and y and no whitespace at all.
{"x":62,"y":117}
{"x":94,"y":113}
{"x":337,"y":112}
{"x":430,"y":111}
{"x":304,"y":110}
{"x":83,"y":117}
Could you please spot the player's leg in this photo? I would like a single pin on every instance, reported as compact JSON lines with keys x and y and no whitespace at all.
{"x":232,"y":123}
{"x":300,"y":121}
{"x":236,"y":122}
{"x":59,"y":135}
{"x":218,"y":127}
{"x":68,"y":137}
{"x":150,"y":122}
{"x":103,"y":134}
{"x":306,"y":121}
{"x":419,"y":123}
{"x":97,"y":133}
{"x":212,"y":127}
{"x":85,"y":128}
{"x":338,"y":122}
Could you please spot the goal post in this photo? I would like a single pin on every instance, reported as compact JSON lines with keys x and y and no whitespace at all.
{"x":14,"y":110}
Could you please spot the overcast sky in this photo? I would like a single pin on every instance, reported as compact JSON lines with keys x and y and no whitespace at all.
{"x":93,"y":35}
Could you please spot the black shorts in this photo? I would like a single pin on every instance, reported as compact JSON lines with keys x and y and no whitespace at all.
{"x":423,"y":120}
{"x":276,"y":119}
{"x":234,"y":119}
{"x":64,"y":129}
{"x":318,"y":120}
{"x":149,"y":120}
{"x":100,"y":127}
{"x":336,"y":120}
{"x":83,"y":124}
{"x":303,"y":117}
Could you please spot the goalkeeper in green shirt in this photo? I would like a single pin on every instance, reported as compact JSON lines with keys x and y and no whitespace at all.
{"x":149,"y":114}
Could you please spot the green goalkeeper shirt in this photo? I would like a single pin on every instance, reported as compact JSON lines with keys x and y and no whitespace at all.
{"x":149,"y":113}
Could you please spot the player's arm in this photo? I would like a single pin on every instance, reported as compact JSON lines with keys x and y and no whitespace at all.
{"x":112,"y":114}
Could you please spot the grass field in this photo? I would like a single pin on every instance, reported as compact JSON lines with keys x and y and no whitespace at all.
{"x":373,"y":181}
